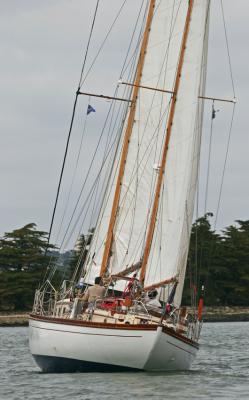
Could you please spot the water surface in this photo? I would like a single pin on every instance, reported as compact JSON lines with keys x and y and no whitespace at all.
{"x":220,"y":371}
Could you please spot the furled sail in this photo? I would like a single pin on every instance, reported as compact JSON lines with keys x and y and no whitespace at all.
{"x":171,"y":237}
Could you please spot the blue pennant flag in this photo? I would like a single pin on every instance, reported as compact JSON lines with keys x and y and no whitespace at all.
{"x":90,"y":109}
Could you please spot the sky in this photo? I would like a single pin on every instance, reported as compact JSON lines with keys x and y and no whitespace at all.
{"x":42,"y":49}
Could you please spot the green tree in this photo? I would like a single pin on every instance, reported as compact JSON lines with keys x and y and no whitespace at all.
{"x":24,"y":248}
{"x":234,"y":257}
{"x":203,"y":267}
{"x":22,"y":265}
{"x":17,"y":289}
{"x":220,"y":261}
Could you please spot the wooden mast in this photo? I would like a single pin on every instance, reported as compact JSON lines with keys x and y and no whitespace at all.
{"x":127,"y":136}
{"x":166,"y":144}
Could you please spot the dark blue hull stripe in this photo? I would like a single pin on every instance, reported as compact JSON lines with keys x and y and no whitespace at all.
{"x":60,"y":364}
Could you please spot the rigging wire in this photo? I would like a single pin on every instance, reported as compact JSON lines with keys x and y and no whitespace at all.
{"x":114,"y":93}
{"x":124,"y":68}
{"x":112,"y":125}
{"x":133,"y":57}
{"x":137,"y":158}
{"x":70,"y":192}
{"x":73,"y":178}
{"x":209,"y":157}
{"x":123,"y":119}
{"x":81,"y":77}
{"x":131,"y":41}
{"x":173,"y":21}
{"x":227,"y":46}
{"x":165,"y":61}
{"x":61,"y":173}
{"x":103,"y":43}
{"x":69,"y":135}
{"x":107,"y":192}
{"x":194,"y":281}
{"x":232,"y":118}
{"x":81,"y":82}
{"x":104,"y":194}
{"x":155,"y":135}
{"x":225,"y":160}
{"x":66,"y":150}
{"x":95,"y":182}
{"x":108,"y":35}
{"x":224,"y":166}
{"x":86,"y":178}
{"x":147,"y":153}
{"x":194,"y":268}
{"x":88,"y":44}
{"x":213,"y":247}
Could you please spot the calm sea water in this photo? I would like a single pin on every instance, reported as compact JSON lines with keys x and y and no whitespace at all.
{"x":221,"y":371}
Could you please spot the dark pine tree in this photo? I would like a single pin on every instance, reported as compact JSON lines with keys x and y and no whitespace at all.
{"x":22,"y":265}
{"x":24,"y":248}
{"x":203,"y":265}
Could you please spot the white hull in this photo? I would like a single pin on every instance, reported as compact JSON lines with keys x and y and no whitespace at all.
{"x":76,"y":345}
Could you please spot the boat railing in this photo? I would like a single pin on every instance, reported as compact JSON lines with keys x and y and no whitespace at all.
{"x":140,"y":306}
{"x":45,"y":300}
{"x":189,"y":326}
{"x":193,"y":328}
{"x":115,"y":305}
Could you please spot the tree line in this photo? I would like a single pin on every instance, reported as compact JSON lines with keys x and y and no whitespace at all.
{"x":217,"y":260}
{"x":220,"y":262}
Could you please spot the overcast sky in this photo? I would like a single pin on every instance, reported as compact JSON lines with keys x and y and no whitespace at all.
{"x":42,"y":48}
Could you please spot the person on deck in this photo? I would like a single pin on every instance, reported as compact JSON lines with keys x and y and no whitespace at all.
{"x":97,"y":291}
{"x":152,"y":299}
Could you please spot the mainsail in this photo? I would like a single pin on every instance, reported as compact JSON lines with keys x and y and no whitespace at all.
{"x":169,"y":247}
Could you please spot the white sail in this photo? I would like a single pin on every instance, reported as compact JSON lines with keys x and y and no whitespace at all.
{"x":169,"y":252}
{"x":171,"y":238}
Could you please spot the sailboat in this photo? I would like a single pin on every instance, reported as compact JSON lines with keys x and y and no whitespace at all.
{"x":141,"y":238}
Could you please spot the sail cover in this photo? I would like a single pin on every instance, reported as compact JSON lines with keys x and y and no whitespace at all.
{"x":171,"y":237}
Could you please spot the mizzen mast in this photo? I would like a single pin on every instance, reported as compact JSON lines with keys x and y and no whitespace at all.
{"x":154,"y":212}
{"x":128,"y":133}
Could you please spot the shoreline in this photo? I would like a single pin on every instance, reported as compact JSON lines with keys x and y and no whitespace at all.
{"x":226,"y":314}
{"x":14,"y":319}
{"x":210,"y":314}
